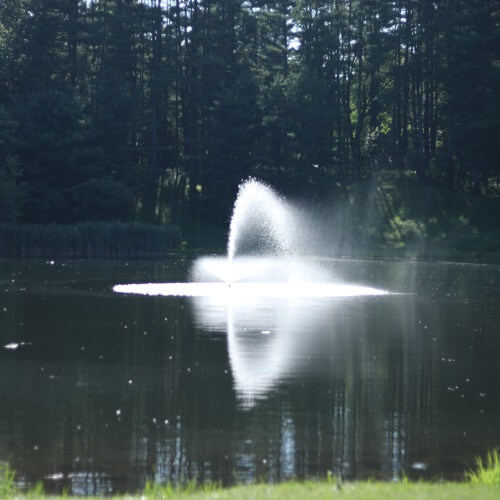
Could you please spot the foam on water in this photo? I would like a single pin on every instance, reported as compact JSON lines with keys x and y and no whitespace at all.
{"x":227,"y":291}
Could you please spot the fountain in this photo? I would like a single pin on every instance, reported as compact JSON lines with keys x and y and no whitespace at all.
{"x":262,"y":218}
{"x":261,"y":258}
{"x":262,"y":294}
{"x":262,"y":226}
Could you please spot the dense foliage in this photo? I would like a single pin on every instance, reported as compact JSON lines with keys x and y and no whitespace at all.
{"x":149,"y":110}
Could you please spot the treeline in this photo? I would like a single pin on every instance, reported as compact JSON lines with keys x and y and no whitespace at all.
{"x":152,"y":110}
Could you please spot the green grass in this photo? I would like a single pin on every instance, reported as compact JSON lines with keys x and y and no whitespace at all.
{"x":314,"y":490}
{"x":154,"y":490}
{"x":355,"y":490}
{"x":487,"y":472}
{"x":7,"y":481}
{"x":482,"y":482}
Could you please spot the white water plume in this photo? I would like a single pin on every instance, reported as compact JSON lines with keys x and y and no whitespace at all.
{"x":261,"y":223}
{"x":263,"y":269}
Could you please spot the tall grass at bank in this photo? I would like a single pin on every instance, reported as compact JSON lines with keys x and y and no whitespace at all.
{"x":88,"y":239}
{"x":7,"y":481}
{"x":488,"y":472}
{"x":155,"y":490}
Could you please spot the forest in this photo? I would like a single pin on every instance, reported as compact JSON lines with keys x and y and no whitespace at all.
{"x":154,"y":111}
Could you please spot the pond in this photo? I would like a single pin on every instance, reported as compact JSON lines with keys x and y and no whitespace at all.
{"x":101,"y":391}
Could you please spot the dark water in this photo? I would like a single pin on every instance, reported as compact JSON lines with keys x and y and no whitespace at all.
{"x":100,"y":392}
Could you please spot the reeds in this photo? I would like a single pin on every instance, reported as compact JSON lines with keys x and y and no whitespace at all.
{"x":88,"y":240}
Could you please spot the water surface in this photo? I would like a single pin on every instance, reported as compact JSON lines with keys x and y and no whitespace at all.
{"x":101,"y":391}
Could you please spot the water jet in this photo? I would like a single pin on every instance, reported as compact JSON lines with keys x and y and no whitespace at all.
{"x":261,"y":260}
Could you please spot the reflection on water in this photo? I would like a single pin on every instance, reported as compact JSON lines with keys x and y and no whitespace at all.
{"x":283,"y":299}
{"x":267,"y":341}
{"x":269,"y":324}
{"x":104,"y":390}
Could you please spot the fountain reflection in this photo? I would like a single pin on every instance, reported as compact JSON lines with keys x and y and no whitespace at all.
{"x":267,"y":341}
{"x":271,"y":326}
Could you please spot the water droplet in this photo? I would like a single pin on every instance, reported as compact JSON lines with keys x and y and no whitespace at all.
{"x":55,"y":477}
{"x":419,"y":466}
